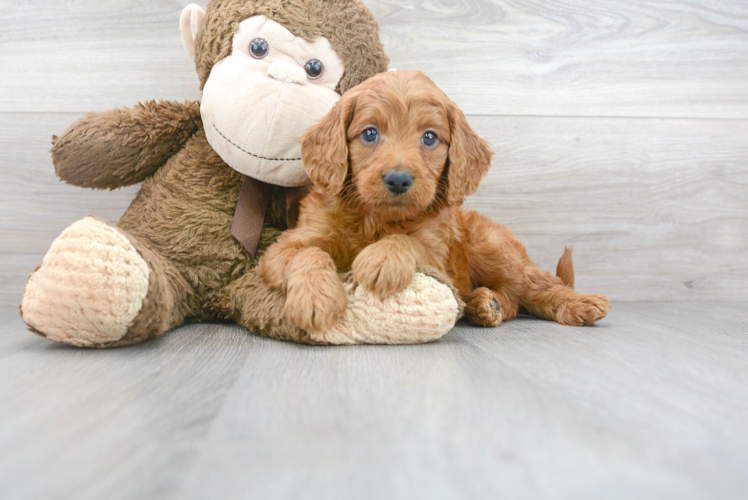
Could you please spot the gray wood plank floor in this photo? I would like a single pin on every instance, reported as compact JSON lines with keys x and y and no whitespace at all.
{"x":651,"y":403}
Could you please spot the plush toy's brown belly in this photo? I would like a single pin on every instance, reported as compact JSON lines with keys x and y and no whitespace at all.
{"x":185,"y":212}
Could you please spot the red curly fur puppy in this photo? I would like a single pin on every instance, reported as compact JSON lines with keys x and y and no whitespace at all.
{"x":391,"y":164}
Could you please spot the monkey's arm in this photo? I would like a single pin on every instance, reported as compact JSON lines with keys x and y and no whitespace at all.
{"x":122,"y":147}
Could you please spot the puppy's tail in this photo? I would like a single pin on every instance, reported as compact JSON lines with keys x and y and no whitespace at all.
{"x":565,"y":268}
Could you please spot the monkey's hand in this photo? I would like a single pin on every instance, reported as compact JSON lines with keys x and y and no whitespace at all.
{"x":122,"y":147}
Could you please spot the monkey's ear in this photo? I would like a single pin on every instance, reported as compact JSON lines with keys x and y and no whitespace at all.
{"x":324,"y":147}
{"x":189,"y":23}
{"x":469,"y":157}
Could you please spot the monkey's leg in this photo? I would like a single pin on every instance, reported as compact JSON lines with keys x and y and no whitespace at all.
{"x":100,"y":287}
{"x":423,"y":312}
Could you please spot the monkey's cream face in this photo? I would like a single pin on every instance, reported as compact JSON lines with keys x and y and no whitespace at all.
{"x":262,"y":97}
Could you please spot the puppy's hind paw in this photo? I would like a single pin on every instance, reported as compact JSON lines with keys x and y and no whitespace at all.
{"x":483,"y":309}
{"x":583,"y":309}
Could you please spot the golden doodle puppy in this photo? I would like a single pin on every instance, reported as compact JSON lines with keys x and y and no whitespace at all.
{"x":392,"y":163}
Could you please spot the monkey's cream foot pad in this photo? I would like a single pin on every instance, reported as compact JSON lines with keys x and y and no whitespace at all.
{"x":425,"y":311}
{"x":89,"y":288}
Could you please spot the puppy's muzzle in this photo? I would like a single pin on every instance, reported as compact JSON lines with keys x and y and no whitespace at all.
{"x":398,"y":182}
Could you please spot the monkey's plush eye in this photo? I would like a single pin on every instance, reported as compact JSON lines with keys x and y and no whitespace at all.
{"x":259,"y":48}
{"x":370,"y":136}
{"x":314,"y":68}
{"x":429,"y":139}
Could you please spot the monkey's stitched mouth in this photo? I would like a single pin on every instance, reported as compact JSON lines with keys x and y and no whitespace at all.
{"x":249,"y":153}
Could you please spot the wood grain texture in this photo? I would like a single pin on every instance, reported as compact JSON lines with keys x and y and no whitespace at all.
{"x":77,"y":423}
{"x":591,"y":58}
{"x":651,"y":403}
{"x":568,"y":58}
{"x":657,"y":209}
{"x":78,"y":56}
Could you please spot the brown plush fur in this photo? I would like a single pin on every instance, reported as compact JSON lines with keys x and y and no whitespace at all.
{"x":180,"y":220}
{"x":352,"y":31}
{"x":123,"y":147}
{"x":353,"y":222}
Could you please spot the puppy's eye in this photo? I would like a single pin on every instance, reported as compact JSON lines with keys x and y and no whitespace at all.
{"x":314,"y":69}
{"x":259,"y":48}
{"x":429,"y":139}
{"x":370,"y":136}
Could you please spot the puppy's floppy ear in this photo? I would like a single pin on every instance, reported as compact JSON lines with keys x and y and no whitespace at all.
{"x":324,"y":147}
{"x":469,"y":157}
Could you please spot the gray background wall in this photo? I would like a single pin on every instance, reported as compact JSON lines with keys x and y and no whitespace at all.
{"x":620,"y":127}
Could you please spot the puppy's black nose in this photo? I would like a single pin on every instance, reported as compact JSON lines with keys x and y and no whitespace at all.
{"x":398,"y":182}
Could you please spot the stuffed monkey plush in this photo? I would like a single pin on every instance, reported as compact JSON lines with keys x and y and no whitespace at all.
{"x":221,"y":180}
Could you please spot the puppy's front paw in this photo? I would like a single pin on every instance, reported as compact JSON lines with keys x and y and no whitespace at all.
{"x":583,"y":309}
{"x":383,"y":269}
{"x":315,"y":301}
